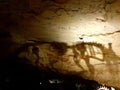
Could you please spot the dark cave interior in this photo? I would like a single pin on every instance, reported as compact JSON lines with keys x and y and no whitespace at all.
{"x":16,"y":73}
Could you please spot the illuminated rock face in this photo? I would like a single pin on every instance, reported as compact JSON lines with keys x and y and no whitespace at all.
{"x":87,"y":59}
{"x":67,"y":21}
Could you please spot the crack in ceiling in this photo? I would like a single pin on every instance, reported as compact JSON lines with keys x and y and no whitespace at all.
{"x":102,"y":34}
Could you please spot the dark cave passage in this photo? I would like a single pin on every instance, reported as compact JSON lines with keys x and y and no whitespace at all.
{"x":17,"y":75}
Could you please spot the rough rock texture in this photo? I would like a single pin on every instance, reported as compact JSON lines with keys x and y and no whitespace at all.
{"x":66,"y":21}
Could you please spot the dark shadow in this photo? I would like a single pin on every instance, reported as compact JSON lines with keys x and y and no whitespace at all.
{"x":60,"y":47}
{"x":109,"y":55}
{"x":76,"y":57}
{"x":86,"y":50}
{"x":35,"y":50}
{"x":81,"y":51}
{"x":82,"y":48}
{"x":112,"y":60}
{"x":17,"y":75}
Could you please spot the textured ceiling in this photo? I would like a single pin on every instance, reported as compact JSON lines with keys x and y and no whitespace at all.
{"x":60,"y":18}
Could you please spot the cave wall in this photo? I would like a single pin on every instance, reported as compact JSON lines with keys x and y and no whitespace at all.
{"x":64,"y":21}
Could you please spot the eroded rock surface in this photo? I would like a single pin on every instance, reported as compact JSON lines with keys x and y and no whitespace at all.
{"x":66,"y":21}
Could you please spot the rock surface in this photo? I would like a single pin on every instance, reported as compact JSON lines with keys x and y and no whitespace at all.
{"x":66,"y":21}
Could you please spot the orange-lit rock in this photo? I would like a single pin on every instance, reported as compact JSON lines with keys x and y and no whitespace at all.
{"x":96,"y":21}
